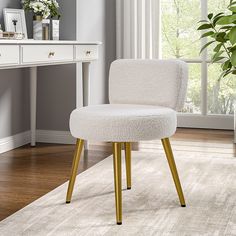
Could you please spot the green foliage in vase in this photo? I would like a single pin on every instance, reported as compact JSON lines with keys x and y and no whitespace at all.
{"x":221,"y":29}
{"x":44,"y":8}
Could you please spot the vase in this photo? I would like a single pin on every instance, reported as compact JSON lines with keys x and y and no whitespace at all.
{"x":55,"y":29}
{"x":37,"y":28}
{"x":46,"y":29}
{"x":41,"y":28}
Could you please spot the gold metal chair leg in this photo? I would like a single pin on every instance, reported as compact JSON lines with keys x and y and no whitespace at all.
{"x":171,"y":161}
{"x":117,"y":180}
{"x":128,"y":164}
{"x":78,"y":150}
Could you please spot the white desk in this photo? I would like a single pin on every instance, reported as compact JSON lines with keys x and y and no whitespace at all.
{"x":34,"y":53}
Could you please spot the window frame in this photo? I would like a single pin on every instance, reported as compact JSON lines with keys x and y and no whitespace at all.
{"x":204,"y":119}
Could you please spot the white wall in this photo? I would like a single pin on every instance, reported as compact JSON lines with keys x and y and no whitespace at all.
{"x":96,"y":21}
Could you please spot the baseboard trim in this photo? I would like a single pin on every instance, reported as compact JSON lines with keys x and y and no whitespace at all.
{"x":46,"y":136}
{"x":15,"y":141}
{"x":43,"y":136}
{"x":53,"y":136}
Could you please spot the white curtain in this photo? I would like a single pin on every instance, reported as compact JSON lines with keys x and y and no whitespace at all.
{"x":137,"y":27}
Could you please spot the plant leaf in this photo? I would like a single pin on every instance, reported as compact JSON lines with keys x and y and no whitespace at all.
{"x":226,"y":27}
{"x":210,"y":16}
{"x":226,"y":20}
{"x":233,"y":58}
{"x":228,"y":72}
{"x":231,"y":49}
{"x":219,"y":14}
{"x":233,"y":8}
{"x":225,"y":73}
{"x":218,"y":47}
{"x":226,"y":65}
{"x":204,"y":26}
{"x":203,"y":21}
{"x":217,"y":59}
{"x":207,"y":34}
{"x":215,"y":19}
{"x":220,"y":37}
{"x":217,"y":54}
{"x":232,"y":35}
{"x":232,"y":3}
{"x":206,"y":45}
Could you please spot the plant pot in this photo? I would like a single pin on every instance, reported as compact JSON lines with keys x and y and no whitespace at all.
{"x":55,"y":29}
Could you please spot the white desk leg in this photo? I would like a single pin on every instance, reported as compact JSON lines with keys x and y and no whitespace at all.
{"x":33,"y":97}
{"x":79,"y":85}
{"x":86,"y":90}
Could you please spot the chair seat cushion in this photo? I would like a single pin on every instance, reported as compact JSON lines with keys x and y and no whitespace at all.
{"x":123,"y":122}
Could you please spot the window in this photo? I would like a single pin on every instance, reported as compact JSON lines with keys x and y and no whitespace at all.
{"x":207,"y":96}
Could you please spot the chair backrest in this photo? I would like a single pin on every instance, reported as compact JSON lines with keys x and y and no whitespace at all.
{"x":148,"y":82}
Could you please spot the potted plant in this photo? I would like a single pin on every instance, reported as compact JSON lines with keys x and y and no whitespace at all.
{"x":42,"y":9}
{"x":221,"y":29}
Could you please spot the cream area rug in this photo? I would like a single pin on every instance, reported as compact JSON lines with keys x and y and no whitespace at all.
{"x":150,"y":208}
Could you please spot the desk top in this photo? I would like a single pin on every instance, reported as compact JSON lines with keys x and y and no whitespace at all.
{"x":47,"y":42}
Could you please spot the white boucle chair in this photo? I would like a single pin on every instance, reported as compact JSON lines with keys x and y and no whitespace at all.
{"x":144,"y":97}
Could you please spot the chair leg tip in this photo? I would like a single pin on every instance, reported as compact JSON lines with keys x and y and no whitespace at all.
{"x":128,"y":188}
{"x":67,"y":202}
{"x":183,"y":205}
{"x":119,"y":223}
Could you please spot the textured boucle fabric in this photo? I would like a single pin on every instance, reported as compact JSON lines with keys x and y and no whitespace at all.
{"x":148,"y":82}
{"x":122,"y":122}
{"x":144,"y":95}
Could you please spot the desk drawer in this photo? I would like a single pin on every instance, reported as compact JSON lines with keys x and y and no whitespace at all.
{"x":86,"y":52}
{"x":47,"y":53}
{"x":9,"y":54}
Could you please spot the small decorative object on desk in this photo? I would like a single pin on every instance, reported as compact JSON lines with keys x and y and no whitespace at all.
{"x":37,"y":27}
{"x":11,"y":35}
{"x":15,"y":24}
{"x":1,"y":31}
{"x":46,"y":29}
{"x":55,"y":29}
{"x":42,"y":9}
{"x":55,"y":21}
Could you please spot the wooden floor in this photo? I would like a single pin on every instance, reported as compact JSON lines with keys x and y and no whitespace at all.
{"x":29,"y":173}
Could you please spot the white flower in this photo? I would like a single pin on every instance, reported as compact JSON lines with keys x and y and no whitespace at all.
{"x":46,"y":2}
{"x":37,"y":7}
{"x":41,"y":7}
{"x":46,"y":13}
{"x":55,"y":3}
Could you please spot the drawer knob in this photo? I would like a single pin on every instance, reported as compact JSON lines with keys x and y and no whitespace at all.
{"x":88,"y":53}
{"x":51,"y":54}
